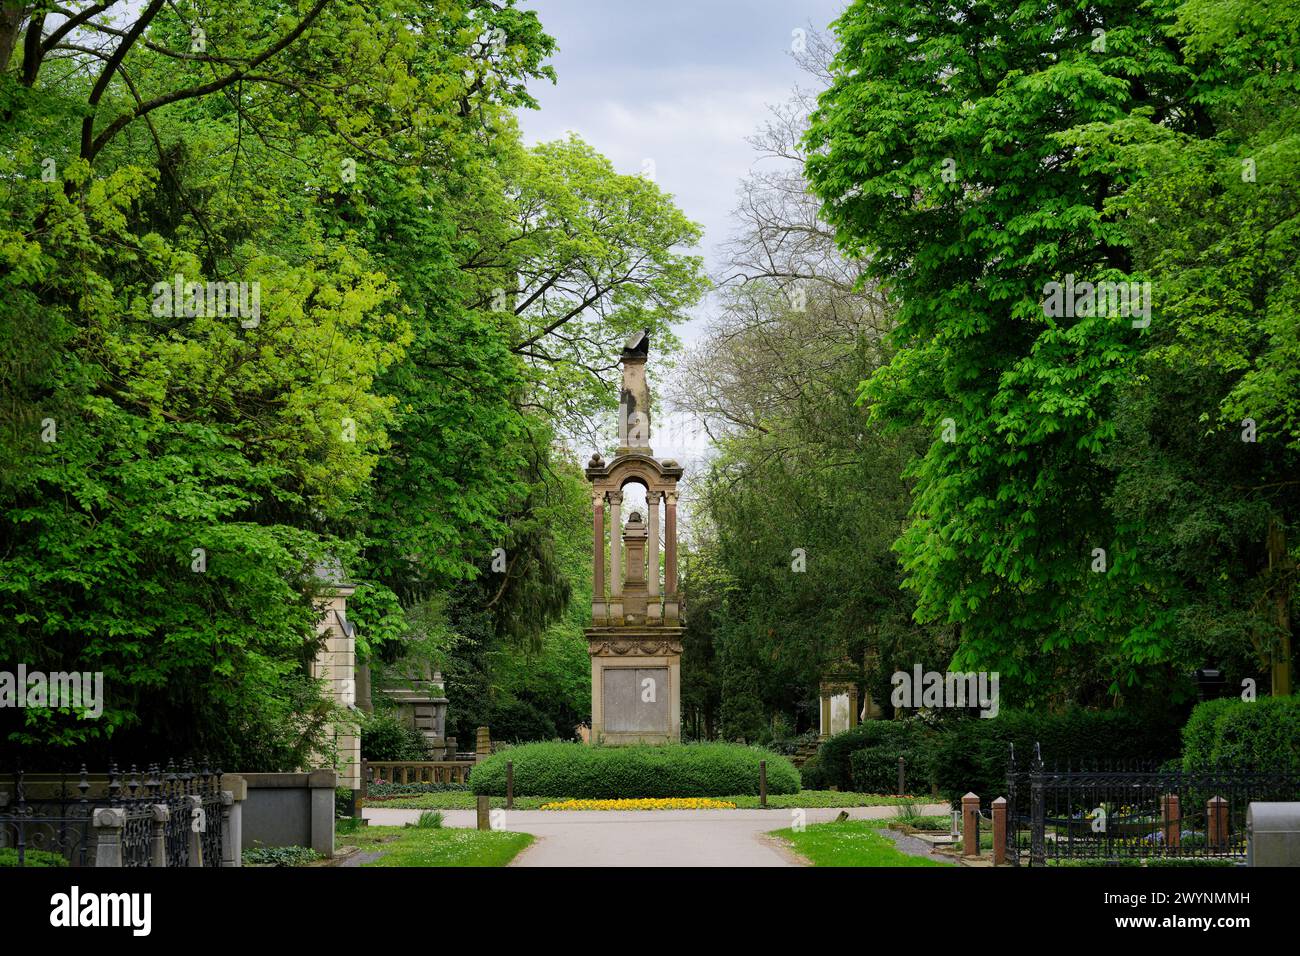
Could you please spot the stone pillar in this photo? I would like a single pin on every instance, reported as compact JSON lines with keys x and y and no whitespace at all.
{"x":1171,"y":821}
{"x":970,"y":812}
{"x":158,"y":837}
{"x":599,"y":609}
{"x":999,"y":831}
{"x":482,"y":745}
{"x":1216,"y":820}
{"x":615,"y":558}
{"x":853,"y":706}
{"x":824,"y":728}
{"x":193,"y":811}
{"x":670,"y":558}
{"x":232,"y":819}
{"x":654,"y":611}
{"x":109,"y":822}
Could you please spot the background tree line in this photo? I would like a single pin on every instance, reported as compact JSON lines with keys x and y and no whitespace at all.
{"x":439,"y":304}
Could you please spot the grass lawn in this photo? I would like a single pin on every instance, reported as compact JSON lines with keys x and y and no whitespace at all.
{"x":464,"y":800}
{"x":851,"y":843}
{"x":437,"y":846}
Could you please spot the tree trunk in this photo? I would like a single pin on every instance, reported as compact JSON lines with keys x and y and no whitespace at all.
{"x":1281,"y":568}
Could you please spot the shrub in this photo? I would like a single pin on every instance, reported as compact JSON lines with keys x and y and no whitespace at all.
{"x":1248,"y":735}
{"x":381,"y":791}
{"x":384,"y":737}
{"x":519,"y":721}
{"x":875,"y":769}
{"x":43,"y":858}
{"x":971,"y":755}
{"x":342,"y":802}
{"x":812,"y":775}
{"x":907,"y":738}
{"x":672,"y":770}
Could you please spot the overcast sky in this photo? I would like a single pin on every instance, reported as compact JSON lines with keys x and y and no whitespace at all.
{"x":680,"y":83}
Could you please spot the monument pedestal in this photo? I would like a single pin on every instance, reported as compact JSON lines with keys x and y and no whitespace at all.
{"x":636,"y":684}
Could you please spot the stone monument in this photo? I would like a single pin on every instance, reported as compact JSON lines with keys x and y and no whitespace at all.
{"x":635,"y":638}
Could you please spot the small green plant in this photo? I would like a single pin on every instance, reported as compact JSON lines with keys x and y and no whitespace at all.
{"x":279,"y":856}
{"x":429,"y":820}
{"x":908,"y":812}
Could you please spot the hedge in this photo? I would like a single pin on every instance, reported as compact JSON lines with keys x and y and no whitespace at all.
{"x":971,"y":755}
{"x":673,"y":770}
{"x":908,"y":738}
{"x":43,"y":858}
{"x":1262,"y":734}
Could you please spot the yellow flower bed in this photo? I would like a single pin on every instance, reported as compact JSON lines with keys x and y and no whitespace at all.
{"x":666,"y":803}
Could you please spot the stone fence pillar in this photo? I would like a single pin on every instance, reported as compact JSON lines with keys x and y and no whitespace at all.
{"x":158,"y":837}
{"x":999,"y":831}
{"x":482,"y":746}
{"x":109,"y":823}
{"x":193,"y":815}
{"x":970,"y":813}
{"x":1171,"y":821}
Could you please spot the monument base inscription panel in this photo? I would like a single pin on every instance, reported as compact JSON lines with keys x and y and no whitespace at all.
{"x":636,"y":700}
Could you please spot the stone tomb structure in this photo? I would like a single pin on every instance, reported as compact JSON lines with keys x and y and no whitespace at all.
{"x":635,"y":638}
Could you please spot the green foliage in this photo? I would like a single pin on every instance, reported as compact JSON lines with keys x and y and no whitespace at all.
{"x":429,"y":820}
{"x":1257,"y":735}
{"x":279,"y":856}
{"x":41,"y":858}
{"x":907,"y":738}
{"x":382,"y":791}
{"x":965,"y":182}
{"x":342,"y":802}
{"x":385,"y":737}
{"x":970,"y":756}
{"x":679,"y":770}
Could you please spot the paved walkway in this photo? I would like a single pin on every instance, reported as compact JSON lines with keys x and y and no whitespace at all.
{"x":648,"y":837}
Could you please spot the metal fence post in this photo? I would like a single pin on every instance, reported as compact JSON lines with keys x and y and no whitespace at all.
{"x":1037,"y":812}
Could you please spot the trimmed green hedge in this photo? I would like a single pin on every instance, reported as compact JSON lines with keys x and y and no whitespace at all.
{"x":611,"y":773}
{"x":971,"y":755}
{"x":1262,"y":734}
{"x":911,"y":739}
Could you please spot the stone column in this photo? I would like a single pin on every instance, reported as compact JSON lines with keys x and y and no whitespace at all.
{"x":654,"y":612}
{"x":615,"y":558}
{"x":670,"y":557}
{"x":598,"y":606}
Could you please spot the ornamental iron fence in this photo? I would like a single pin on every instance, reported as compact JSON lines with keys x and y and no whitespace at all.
{"x":1122,"y":811}
{"x":165,"y":816}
